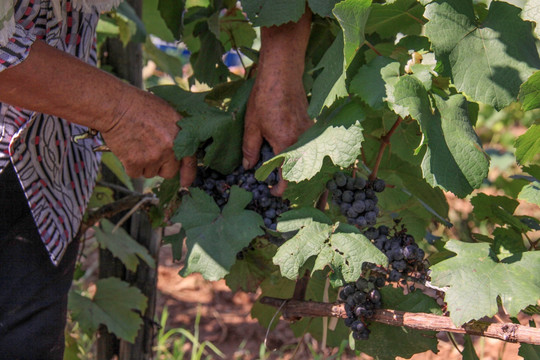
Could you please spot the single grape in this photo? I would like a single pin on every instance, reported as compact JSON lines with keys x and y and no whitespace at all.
{"x":379,"y":185}
{"x":347,"y":196}
{"x":359,"y":206}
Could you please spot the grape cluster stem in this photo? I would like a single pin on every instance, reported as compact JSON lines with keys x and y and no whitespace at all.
{"x":509,"y":332}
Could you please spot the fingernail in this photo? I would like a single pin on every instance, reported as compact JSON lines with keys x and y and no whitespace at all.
{"x":245,"y":163}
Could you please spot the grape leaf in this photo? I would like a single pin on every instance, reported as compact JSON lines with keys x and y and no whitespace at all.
{"x":330,"y":83}
{"x":346,"y":251}
{"x":388,"y":342}
{"x":391,"y":18}
{"x":488,"y":61}
{"x":122,"y":246}
{"x":454,"y":159}
{"x":369,"y":84}
{"x":514,"y":280}
{"x":338,"y":137}
{"x":276,"y":12}
{"x":528,"y":145}
{"x":323,"y":7}
{"x":256,"y":265}
{"x":115,"y":305}
{"x":352,"y":16}
{"x":213,"y":237}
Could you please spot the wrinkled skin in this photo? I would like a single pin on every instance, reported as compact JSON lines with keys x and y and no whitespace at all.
{"x":277,"y":106}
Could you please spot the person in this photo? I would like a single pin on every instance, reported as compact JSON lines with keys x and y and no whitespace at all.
{"x":51,"y":92}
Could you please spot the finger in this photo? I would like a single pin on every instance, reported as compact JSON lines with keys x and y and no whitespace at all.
{"x":150,"y":172}
{"x":251,"y":146}
{"x":169,"y":169}
{"x":188,"y":171}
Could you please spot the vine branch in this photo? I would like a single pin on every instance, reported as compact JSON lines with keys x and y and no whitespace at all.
{"x":114,"y":208}
{"x":385,"y":141}
{"x":420,"y":321}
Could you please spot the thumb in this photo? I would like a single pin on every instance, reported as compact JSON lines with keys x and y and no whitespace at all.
{"x":251,"y":146}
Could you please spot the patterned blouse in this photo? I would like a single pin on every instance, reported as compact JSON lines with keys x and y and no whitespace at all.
{"x":57,"y":175}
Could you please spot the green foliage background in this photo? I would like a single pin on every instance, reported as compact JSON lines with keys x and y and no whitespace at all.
{"x":451,"y":76}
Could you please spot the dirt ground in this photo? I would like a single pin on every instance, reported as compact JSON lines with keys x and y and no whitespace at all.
{"x":226,"y":322}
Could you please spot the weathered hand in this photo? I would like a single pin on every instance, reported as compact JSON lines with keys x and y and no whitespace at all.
{"x":142,"y":137}
{"x":277,"y":106}
{"x":277,"y":112}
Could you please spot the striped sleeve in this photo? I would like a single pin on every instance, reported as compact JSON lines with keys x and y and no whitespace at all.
{"x":15,"y":39}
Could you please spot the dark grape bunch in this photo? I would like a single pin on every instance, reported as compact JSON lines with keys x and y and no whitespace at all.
{"x":356,"y":198}
{"x":218,"y":186}
{"x":361,"y":299}
{"x":404,"y":255}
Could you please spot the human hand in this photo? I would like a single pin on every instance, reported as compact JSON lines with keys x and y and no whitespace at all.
{"x":277,"y":106}
{"x":277,"y":112}
{"x":142,"y":138}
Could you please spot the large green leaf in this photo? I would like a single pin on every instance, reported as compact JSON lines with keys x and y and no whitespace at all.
{"x":488,"y":61}
{"x":475,"y":273}
{"x":343,"y":251}
{"x":276,"y":12}
{"x":352,"y":16}
{"x":115,"y":305}
{"x":213,"y":237}
{"x":391,"y":18}
{"x":454,"y":159}
{"x":339,"y":137}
